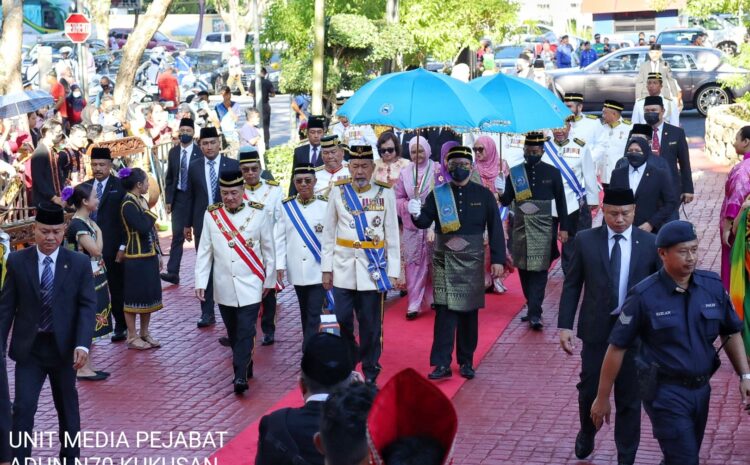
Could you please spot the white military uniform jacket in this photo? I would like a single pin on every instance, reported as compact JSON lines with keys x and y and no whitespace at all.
{"x":578,"y":157}
{"x":268,"y":194}
{"x":349,"y":264}
{"x":671,"y":111}
{"x":357,"y":135}
{"x":235,"y":285}
{"x":512,"y":148}
{"x":586,"y":128}
{"x":610,"y":146}
{"x":326,"y":179}
{"x":292,"y":253}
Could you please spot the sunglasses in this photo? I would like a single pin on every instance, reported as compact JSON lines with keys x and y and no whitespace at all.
{"x":303,"y":181}
{"x":479,"y":149}
{"x":387,"y":150}
{"x":252,"y":169}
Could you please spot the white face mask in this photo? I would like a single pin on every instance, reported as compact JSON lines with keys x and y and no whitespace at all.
{"x":76,"y":94}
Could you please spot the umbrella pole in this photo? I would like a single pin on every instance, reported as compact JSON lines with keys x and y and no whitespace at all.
{"x":416,"y":171}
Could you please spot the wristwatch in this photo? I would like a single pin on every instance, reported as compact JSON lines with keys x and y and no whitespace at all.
{"x":745,"y":377}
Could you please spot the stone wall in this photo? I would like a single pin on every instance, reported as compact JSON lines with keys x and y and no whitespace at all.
{"x":721,"y":128}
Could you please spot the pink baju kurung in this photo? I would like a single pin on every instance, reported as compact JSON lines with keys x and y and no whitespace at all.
{"x":736,"y":190}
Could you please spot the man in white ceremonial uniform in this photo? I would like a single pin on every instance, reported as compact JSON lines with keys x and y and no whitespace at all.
{"x":351,"y":134}
{"x":238,"y":243}
{"x":333,"y":168}
{"x":267,"y":194}
{"x":361,"y":256}
{"x":576,"y":165}
{"x":584,"y":127}
{"x":299,"y":250}
{"x":655,"y":87}
{"x":610,"y":142}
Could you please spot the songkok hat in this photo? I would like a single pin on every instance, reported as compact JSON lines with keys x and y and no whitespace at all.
{"x":410,"y":406}
{"x":207,"y":133}
{"x":618,"y":197}
{"x":655,"y":47}
{"x":539,"y":64}
{"x":187,"y":122}
{"x":326,"y":359}
{"x":360,"y":152}
{"x":340,"y":100}
{"x":49,"y":213}
{"x":655,"y":76}
{"x":535,"y":139}
{"x":101,"y":153}
{"x":640,"y":129}
{"x":459,"y":151}
{"x":331,"y":140}
{"x":232,"y":178}
{"x":248,"y":154}
{"x":316,"y":121}
{"x":614,"y":105}
{"x":653,"y":100}
{"x":523,"y":56}
{"x":573,"y":97}
{"x":304,"y":168}
{"x":675,"y":232}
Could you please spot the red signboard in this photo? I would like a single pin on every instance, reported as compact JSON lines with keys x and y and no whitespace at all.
{"x":77,"y":28}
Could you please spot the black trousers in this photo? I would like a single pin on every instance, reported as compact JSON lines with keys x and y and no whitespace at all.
{"x":578,"y":221}
{"x":268,"y":315}
{"x":207,"y":306}
{"x":311,"y":299}
{"x":449,"y":325}
{"x":115,"y":282}
{"x":267,"y":124}
{"x":534,"y":284}
{"x":368,"y":306}
{"x":45,"y":360}
{"x":240,"y":323}
{"x":627,"y":402}
{"x":180,"y":210}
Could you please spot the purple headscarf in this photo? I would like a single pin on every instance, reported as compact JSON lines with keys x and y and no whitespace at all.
{"x":443,"y":152}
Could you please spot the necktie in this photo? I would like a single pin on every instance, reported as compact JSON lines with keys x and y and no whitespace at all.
{"x":183,"y":170}
{"x":99,"y":193}
{"x":655,"y":145}
{"x":314,"y":157}
{"x":615,"y":259}
{"x":45,"y":289}
{"x":214,"y":179}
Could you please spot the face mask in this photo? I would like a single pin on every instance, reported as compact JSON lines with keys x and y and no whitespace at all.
{"x":636,"y":159}
{"x":651,"y":118}
{"x":532,"y":159}
{"x":77,"y":94}
{"x":459,"y":173}
{"x":186,"y":138}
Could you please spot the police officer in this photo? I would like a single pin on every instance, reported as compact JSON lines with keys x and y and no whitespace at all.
{"x":267,"y":194}
{"x":361,"y":255}
{"x":609,"y":143}
{"x":584,"y":127}
{"x":677,"y":313}
{"x":333,"y":168}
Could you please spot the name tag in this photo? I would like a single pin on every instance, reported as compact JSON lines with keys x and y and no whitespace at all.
{"x":711,"y":305}
{"x":477,"y":204}
{"x":663,"y":314}
{"x":546,"y":181}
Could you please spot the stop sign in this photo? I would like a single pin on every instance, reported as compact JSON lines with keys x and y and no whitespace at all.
{"x":77,"y":28}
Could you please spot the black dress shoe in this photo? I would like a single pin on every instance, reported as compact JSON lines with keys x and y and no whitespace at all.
{"x":240,"y":386}
{"x":403,"y":293}
{"x":584,"y":445}
{"x":103,"y":373}
{"x":525,"y":318}
{"x":535,"y":323}
{"x":412,"y":315}
{"x":119,"y":336}
{"x":268,"y":339}
{"x":440,"y":373}
{"x":467,"y":371}
{"x":173,"y":278}
{"x":225,"y":341}
{"x":206,"y":321}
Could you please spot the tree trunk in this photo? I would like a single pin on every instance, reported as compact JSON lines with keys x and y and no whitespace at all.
{"x":100,"y":17}
{"x":12,"y":37}
{"x":238,"y":19}
{"x":135,"y":46}
{"x":318,"y":71}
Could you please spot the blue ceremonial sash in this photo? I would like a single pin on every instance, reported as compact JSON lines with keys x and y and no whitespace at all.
{"x":308,"y":237}
{"x":503,"y":213}
{"x":375,"y":257}
{"x":520,"y":182}
{"x":567,"y":173}
{"x":446,"y":207}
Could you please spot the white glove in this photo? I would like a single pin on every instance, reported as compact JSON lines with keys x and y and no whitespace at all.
{"x":415,"y":207}
{"x":500,"y":183}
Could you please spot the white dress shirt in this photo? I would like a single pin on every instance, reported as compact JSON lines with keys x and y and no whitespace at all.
{"x":317,"y":398}
{"x":635,"y":175}
{"x":103,"y":183}
{"x":186,"y":152}
{"x":209,"y":186}
{"x":626,"y":247}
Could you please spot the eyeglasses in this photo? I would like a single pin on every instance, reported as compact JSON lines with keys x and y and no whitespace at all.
{"x":387,"y":150}
{"x":479,"y":149}
{"x":252,"y":169}
{"x":304,"y":180}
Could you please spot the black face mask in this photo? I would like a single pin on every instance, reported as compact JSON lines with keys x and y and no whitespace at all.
{"x":532,"y":159}
{"x":186,"y":138}
{"x":459,"y":173}
{"x":636,"y":159}
{"x":651,"y":117}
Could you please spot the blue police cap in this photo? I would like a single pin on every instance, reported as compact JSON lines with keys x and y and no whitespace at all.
{"x":675,"y":232}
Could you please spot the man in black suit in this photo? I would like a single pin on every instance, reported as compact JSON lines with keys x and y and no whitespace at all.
{"x":309,"y":152}
{"x":49,"y":300}
{"x":436,"y":137}
{"x":175,"y":191}
{"x":202,"y":191}
{"x":47,"y":178}
{"x":669,"y":143}
{"x":607,"y":261}
{"x":286,"y":435}
{"x":110,"y":193}
{"x":655,"y":197}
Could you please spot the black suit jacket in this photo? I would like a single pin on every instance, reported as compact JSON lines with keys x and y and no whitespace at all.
{"x":436,"y":137}
{"x":42,"y":185}
{"x":288,"y":433}
{"x":198,"y":191}
{"x":108,"y":216}
{"x":74,"y":303}
{"x":589,"y":269}
{"x":674,"y":150}
{"x":656,"y":197}
{"x":302,"y":155}
{"x":172,"y":177}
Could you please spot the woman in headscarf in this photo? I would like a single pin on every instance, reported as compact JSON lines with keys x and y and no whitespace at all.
{"x":444,"y":174}
{"x":416,"y":181}
{"x":75,"y":103}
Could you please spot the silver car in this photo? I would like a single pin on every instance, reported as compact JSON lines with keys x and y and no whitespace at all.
{"x":698,"y":71}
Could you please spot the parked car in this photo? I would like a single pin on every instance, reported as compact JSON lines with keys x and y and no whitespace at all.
{"x":681,"y":36}
{"x":722,"y":34}
{"x":158,"y":40}
{"x":698,"y":70}
{"x":222,"y":41}
{"x":207,"y":65}
{"x":506,"y":56}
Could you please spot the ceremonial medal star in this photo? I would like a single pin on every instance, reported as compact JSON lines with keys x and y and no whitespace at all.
{"x":318,"y":228}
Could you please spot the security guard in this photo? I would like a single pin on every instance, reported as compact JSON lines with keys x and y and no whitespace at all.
{"x":584,"y":127}
{"x":333,"y":168}
{"x":361,"y":255}
{"x":267,"y":194}
{"x":298,"y":250}
{"x":238,"y":242}
{"x":609,"y":143}
{"x":677,"y":314}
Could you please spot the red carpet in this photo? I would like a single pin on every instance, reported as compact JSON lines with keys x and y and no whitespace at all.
{"x":406,"y":344}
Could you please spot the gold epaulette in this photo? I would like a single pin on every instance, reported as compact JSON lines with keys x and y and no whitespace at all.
{"x":627,"y":121}
{"x":271,"y":182}
{"x":667,"y":98}
{"x":303,"y":142}
{"x":291,"y":197}
{"x":383,"y":184}
{"x":215,"y":206}
{"x":256,"y":205}
{"x":579,"y":141}
{"x":321,"y":167}
{"x":592,"y":117}
{"x":341,"y":182}
{"x":322,"y":197}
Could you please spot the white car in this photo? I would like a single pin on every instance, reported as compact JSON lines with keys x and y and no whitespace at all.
{"x":222,"y":41}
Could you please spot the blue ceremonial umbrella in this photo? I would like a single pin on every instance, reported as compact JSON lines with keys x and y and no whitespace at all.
{"x":418,"y":99}
{"x":522,"y":105}
{"x":20,"y":103}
